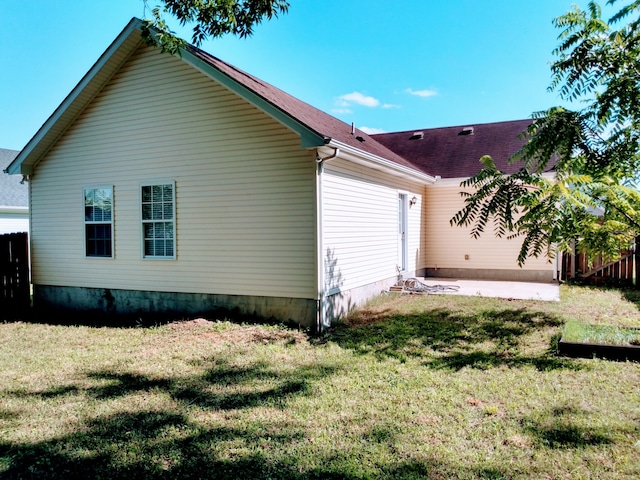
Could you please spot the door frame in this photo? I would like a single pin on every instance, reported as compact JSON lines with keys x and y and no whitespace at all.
{"x":403,"y":227}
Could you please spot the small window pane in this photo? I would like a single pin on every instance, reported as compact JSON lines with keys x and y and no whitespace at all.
{"x":168,"y":211}
{"x":157,"y":211}
{"x":146,"y":212}
{"x":146,"y":194}
{"x":158,"y":230}
{"x":157,"y":193}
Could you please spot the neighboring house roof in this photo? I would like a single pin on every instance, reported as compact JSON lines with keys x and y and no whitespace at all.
{"x":455,"y":152}
{"x":13,"y":193}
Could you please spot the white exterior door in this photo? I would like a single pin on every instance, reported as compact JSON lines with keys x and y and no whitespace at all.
{"x":402,"y":231}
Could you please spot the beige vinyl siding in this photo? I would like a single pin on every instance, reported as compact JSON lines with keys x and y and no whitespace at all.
{"x":446,"y":245}
{"x":245,"y":214}
{"x":360,"y":228}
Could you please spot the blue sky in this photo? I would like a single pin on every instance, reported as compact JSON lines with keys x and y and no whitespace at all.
{"x":387,"y":66}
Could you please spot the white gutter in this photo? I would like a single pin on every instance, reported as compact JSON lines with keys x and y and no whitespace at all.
{"x":12,"y":209}
{"x":321,"y":317}
{"x":359,"y":156}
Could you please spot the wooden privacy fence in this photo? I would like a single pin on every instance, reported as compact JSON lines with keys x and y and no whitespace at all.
{"x":620,"y":271}
{"x":14,"y":273}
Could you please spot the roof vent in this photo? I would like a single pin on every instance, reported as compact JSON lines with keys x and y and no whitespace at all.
{"x":466,"y":131}
{"x":417,"y":136}
{"x":359,"y":138}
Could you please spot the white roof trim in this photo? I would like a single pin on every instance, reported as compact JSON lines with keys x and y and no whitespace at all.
{"x":359,"y":156}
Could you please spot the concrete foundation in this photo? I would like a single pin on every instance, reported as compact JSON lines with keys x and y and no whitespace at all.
{"x":487,"y":274}
{"x":147,"y":305}
{"x":338,"y":305}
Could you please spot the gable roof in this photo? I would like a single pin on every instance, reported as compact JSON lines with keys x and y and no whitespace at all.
{"x":13,"y":193}
{"x":455,"y":152}
{"x":315,"y":127}
{"x":440,"y":152}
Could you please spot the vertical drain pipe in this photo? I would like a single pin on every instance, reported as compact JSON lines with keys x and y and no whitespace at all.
{"x":320,"y":307}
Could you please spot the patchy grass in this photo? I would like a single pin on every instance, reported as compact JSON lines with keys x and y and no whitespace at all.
{"x":602,"y":334}
{"x":409,"y":387}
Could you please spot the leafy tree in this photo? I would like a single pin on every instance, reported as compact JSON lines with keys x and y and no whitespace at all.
{"x":592,"y":203}
{"x":210,"y":18}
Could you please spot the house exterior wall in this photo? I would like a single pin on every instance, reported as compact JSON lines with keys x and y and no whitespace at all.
{"x":451,"y":252}
{"x":14,"y":221}
{"x":360,"y":233}
{"x":245,"y":192}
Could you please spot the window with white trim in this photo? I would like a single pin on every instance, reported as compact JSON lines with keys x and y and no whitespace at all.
{"x":98,"y":222}
{"x":158,"y":220}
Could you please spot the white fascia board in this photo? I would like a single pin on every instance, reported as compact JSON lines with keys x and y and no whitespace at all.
{"x":308,"y":138}
{"x":448,"y":182}
{"x":14,"y":210}
{"x":374,"y":161}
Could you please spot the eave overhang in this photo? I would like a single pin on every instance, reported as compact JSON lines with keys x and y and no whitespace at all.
{"x":361,"y":157}
{"x":308,"y":137}
{"x":14,"y":210}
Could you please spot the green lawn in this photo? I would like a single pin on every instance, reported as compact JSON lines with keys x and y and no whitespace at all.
{"x":434,"y":386}
{"x":575,"y":331}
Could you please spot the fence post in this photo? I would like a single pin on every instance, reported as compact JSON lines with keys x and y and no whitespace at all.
{"x":636,"y":255}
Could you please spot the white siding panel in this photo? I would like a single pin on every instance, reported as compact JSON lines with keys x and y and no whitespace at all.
{"x":14,"y":223}
{"x":244,"y":189}
{"x":448,"y":245}
{"x":360,"y":228}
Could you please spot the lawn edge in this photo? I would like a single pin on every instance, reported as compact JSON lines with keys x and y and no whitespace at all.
{"x":599,"y":350}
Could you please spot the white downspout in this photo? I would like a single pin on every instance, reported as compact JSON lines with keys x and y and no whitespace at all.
{"x":321,"y":317}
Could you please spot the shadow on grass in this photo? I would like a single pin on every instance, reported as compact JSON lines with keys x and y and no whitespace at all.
{"x":560,"y":429}
{"x":137,"y":445}
{"x":143,"y":445}
{"x":166,"y":444}
{"x":632,"y":295}
{"x":221,"y":387}
{"x":446,"y":339}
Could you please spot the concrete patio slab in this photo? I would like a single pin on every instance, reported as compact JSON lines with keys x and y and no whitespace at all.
{"x":485,"y":288}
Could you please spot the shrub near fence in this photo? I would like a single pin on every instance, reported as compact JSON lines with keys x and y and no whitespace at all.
{"x":14,"y":273}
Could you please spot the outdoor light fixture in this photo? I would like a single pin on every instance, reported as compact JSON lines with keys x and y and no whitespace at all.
{"x":413,"y":201}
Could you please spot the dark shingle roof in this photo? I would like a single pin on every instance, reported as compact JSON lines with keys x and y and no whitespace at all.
{"x":452,"y":153}
{"x":441,"y":151}
{"x":12,"y":192}
{"x":316,"y":120}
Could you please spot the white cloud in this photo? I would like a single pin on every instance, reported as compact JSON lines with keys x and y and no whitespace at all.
{"x":390,"y":105}
{"x":341,"y":111}
{"x":357,"y":98}
{"x":371,"y":130}
{"x":421,"y":93}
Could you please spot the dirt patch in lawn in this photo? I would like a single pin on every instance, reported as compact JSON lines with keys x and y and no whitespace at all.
{"x":224,"y":332}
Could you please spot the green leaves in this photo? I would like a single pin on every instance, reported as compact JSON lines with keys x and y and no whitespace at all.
{"x":592,"y":204}
{"x":210,"y":19}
